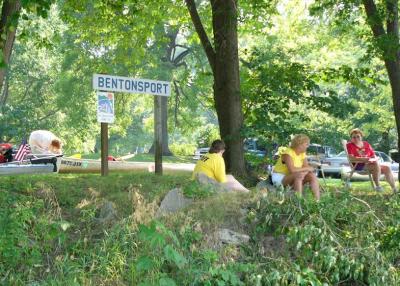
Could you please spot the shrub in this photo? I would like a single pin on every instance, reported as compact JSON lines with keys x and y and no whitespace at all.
{"x":182,"y":149}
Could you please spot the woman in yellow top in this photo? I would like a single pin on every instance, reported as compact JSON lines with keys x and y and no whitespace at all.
{"x":210,"y":168}
{"x":292,"y":168}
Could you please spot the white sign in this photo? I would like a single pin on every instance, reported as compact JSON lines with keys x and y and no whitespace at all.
{"x":105,"y":107}
{"x":131,"y":85}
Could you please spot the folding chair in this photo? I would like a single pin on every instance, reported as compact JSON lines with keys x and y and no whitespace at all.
{"x":353,"y":163}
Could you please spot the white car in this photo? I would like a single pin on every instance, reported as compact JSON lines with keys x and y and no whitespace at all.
{"x":199,"y":152}
{"x":335,"y":166}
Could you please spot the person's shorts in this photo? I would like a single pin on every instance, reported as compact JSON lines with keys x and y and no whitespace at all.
{"x":360,"y":167}
{"x":277,"y":178}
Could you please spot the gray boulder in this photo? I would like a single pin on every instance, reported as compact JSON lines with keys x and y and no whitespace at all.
{"x":174,"y":201}
{"x":107,"y":214}
{"x":228,"y":236}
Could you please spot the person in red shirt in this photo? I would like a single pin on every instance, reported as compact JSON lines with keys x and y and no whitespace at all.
{"x":363,"y":152}
{"x":6,"y":152}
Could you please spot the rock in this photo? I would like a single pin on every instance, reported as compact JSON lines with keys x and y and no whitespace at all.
{"x":230,"y":237}
{"x":218,"y":187}
{"x":108,"y":213}
{"x":265,"y":185}
{"x":173,"y":202}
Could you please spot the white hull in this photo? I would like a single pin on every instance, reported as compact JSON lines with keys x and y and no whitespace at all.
{"x":15,"y":168}
{"x":72,"y":165}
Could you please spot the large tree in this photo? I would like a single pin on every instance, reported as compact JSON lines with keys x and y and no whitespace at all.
{"x":388,"y":43}
{"x":224,"y":61}
{"x":382,"y":18}
{"x":8,"y":26}
{"x":11,"y":10}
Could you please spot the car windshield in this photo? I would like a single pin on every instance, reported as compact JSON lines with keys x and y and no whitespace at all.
{"x":341,"y":154}
{"x":384,"y":157}
{"x":315,"y":149}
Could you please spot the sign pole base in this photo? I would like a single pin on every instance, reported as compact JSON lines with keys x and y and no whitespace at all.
{"x":104,"y":149}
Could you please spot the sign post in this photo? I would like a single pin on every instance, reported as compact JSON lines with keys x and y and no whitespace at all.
{"x":105,"y":115}
{"x":104,"y":149}
{"x":157,"y":136}
{"x":130,"y":85}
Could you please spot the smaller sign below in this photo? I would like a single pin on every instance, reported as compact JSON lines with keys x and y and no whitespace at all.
{"x":105,"y":107}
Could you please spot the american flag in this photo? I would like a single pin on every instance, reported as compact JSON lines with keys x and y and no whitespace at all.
{"x":23,"y":150}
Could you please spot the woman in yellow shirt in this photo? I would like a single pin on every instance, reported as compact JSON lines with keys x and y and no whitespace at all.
{"x":292,"y":168}
{"x":210,"y":168}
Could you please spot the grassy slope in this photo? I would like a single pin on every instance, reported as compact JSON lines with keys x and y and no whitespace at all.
{"x":49,"y":224}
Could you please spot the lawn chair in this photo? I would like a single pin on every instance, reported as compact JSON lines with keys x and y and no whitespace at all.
{"x":353,"y":163}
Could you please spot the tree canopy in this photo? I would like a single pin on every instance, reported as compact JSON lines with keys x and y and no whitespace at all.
{"x":302,"y":68}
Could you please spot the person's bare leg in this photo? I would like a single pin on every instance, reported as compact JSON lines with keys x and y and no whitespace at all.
{"x":388,"y":175}
{"x":295,"y":180}
{"x":375,"y":170}
{"x":313,"y":181}
{"x":234,"y":184}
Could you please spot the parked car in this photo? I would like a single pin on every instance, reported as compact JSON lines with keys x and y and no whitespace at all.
{"x":320,"y":151}
{"x":199,"y":152}
{"x":250,"y":147}
{"x":334,"y":166}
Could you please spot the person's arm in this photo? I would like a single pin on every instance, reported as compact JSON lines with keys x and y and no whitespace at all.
{"x":369,"y":150}
{"x":290,"y":165}
{"x":219,"y":172}
{"x":358,"y":159}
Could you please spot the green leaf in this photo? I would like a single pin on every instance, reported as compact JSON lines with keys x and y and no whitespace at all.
{"x":173,"y":256}
{"x":144,"y":263}
{"x":166,"y":281}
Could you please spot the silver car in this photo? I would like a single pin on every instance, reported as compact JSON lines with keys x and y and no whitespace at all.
{"x":199,"y":152}
{"x":335,"y":166}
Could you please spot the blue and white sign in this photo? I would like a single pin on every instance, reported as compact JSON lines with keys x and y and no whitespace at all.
{"x":131,"y":85}
{"x":105,"y":107}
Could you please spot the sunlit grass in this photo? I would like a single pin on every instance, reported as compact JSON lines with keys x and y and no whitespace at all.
{"x":147,"y":158}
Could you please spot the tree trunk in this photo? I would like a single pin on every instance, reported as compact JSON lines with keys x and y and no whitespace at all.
{"x":393,"y":69}
{"x":389,"y":44}
{"x":10,"y":8}
{"x":164,"y":118}
{"x":164,"y":122}
{"x":227,"y":83}
{"x":224,"y":62}
{"x":385,"y":143}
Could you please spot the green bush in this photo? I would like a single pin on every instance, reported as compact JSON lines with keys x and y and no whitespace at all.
{"x":196,"y":190}
{"x":329,"y":242}
{"x":182,"y":149}
{"x":27,"y":233}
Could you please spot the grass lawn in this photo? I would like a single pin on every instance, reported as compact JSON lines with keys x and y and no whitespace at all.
{"x":361,"y":188}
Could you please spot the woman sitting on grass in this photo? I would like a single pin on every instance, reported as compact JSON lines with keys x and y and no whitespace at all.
{"x":362,"y":152}
{"x":292,"y":168}
{"x":210,"y":169}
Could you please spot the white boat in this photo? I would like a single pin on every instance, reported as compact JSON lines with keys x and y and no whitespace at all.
{"x":32,"y":166}
{"x":74,"y":165}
